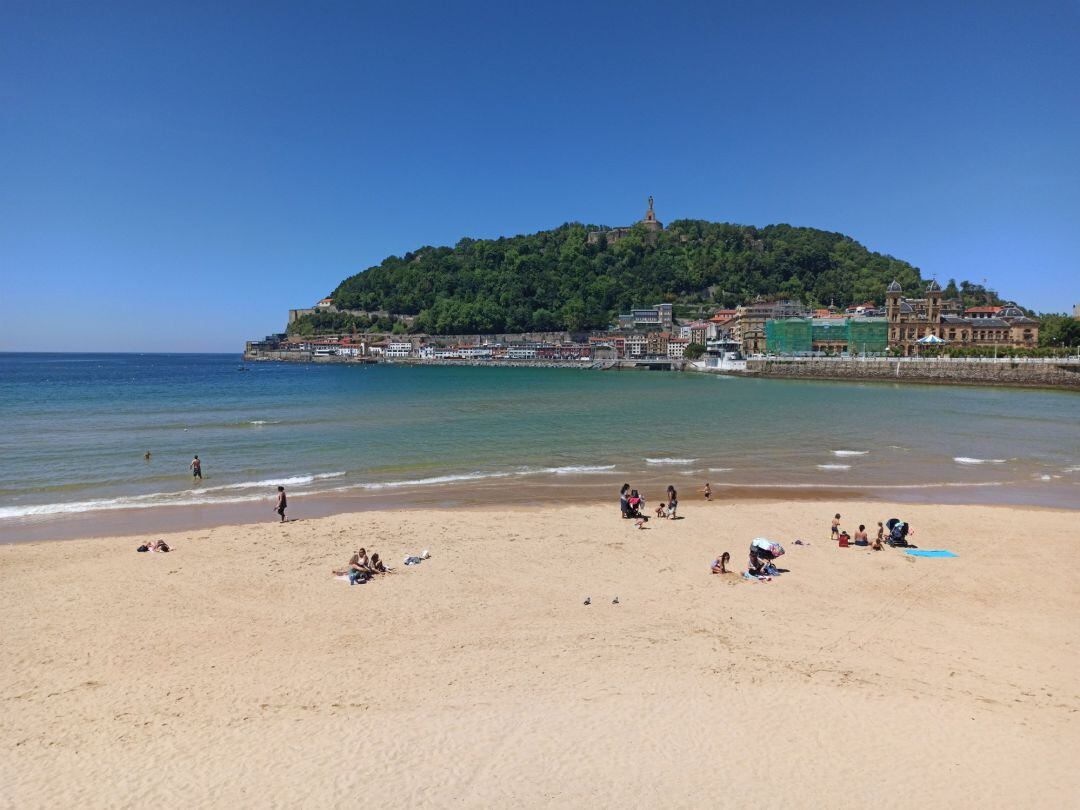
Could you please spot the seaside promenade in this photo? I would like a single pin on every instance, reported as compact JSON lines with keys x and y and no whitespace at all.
{"x":236,"y":671}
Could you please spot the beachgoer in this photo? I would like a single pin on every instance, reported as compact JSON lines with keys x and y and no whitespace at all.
{"x":282,"y":503}
{"x":377,"y":565}
{"x":836,"y":525}
{"x":756,"y":565}
{"x":860,"y":536}
{"x":879,"y":538}
{"x":719,"y":565}
{"x":660,"y":511}
{"x":196,"y":469}
{"x":672,"y":501}
{"x":843,"y":538}
{"x":624,"y":498}
{"x":707,"y":491}
{"x":359,"y":569}
{"x":147,"y":456}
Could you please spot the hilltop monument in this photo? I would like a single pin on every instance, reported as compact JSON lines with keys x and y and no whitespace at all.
{"x":613,"y":235}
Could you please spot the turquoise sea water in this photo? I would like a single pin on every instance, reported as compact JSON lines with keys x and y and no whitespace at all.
{"x":76,"y":428}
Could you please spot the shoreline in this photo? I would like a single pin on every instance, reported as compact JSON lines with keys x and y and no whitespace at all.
{"x":479,"y":496}
{"x":236,"y":657}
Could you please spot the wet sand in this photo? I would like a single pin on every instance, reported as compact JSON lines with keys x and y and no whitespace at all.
{"x":236,"y":671}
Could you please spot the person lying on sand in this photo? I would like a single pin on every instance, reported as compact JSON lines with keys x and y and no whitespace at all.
{"x":719,"y":565}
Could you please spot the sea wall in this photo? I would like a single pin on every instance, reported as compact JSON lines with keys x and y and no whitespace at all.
{"x":1053,"y":373}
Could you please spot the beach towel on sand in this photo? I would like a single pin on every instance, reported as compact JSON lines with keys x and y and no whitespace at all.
{"x":929,"y":552}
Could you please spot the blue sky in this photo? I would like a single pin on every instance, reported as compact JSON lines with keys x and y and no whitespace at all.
{"x":174,"y":177}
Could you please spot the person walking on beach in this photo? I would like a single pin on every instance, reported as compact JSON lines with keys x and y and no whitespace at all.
{"x":282,"y":503}
{"x":196,"y":469}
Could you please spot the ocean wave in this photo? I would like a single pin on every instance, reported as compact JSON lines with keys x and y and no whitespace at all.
{"x":438,"y":479}
{"x":128,"y":502}
{"x":1071,"y":469}
{"x":290,"y":481}
{"x":850,"y":452}
{"x":670,"y":460}
{"x":721,"y":469}
{"x":967,"y":460}
{"x":834,"y":466}
{"x":574,"y":469}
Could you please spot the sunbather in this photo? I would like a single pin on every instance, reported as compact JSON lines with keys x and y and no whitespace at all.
{"x":860,"y":536}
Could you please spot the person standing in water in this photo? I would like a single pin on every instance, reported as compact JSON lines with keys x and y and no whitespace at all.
{"x":196,"y":469}
{"x":282,"y":503}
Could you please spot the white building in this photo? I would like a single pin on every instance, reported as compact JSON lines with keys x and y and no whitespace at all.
{"x":399,"y":349}
{"x":476,"y":352}
{"x":676,"y":347}
{"x":522,"y":351}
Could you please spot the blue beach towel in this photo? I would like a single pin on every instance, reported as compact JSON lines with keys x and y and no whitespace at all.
{"x":926,"y":552}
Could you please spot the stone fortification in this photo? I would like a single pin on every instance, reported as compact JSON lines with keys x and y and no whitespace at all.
{"x":1037,"y":372}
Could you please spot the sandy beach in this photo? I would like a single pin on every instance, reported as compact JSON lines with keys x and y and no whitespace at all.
{"x":236,"y":671}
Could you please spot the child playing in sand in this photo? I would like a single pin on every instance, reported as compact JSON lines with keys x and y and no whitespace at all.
{"x":660,"y":511}
{"x":719,"y":565}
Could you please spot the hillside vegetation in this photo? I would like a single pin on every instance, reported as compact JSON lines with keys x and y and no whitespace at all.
{"x":557,"y":280}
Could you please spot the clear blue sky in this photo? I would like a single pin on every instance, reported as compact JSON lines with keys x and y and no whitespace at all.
{"x":176,"y":175}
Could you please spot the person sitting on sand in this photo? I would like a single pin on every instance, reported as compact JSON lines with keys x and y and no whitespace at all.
{"x":879,"y":538}
{"x":377,"y":565}
{"x":358,"y":570}
{"x":672,"y":501}
{"x":719,"y":565}
{"x":860,"y":536}
{"x":757,"y":565}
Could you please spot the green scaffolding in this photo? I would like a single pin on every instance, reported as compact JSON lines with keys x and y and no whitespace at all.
{"x":788,"y":336}
{"x":867,"y":335}
{"x":850,"y":335}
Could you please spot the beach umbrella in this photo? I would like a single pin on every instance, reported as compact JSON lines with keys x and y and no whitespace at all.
{"x":931,"y":340}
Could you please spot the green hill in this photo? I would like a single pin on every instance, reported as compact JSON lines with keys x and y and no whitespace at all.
{"x":557,"y":279}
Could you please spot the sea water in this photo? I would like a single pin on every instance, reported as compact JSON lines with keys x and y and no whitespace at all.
{"x":76,"y":428}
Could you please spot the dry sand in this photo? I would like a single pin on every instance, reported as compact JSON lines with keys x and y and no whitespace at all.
{"x":237,"y":672}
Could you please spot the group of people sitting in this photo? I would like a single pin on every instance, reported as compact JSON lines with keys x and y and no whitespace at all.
{"x":860,"y":539}
{"x":632,"y":505}
{"x":361,"y":568}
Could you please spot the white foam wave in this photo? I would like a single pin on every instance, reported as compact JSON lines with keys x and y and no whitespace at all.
{"x":109,"y":504}
{"x":967,"y":460}
{"x":574,"y":469}
{"x":1071,"y":469}
{"x":290,"y":481}
{"x":850,"y":452}
{"x":721,"y":469}
{"x":670,"y":460}
{"x":438,"y":479}
{"x":834,"y":466}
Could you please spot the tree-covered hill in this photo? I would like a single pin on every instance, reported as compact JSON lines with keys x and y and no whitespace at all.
{"x":557,"y":280}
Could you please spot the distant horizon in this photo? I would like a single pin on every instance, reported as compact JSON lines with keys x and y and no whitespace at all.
{"x":176,"y":179}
